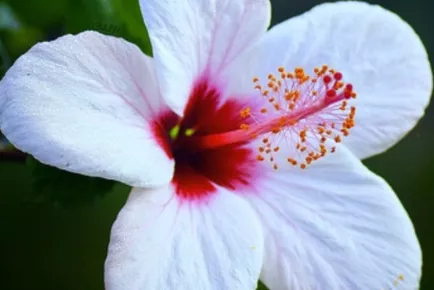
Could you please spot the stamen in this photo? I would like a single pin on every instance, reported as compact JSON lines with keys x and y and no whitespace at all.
{"x":307,"y":112}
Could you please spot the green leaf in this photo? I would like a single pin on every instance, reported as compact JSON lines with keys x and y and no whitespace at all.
{"x":40,"y":13}
{"x":121,"y":18}
{"x":8,"y":19}
{"x":20,"y":40}
{"x":65,"y":188}
{"x":91,"y":15}
{"x":128,"y":11}
{"x":5,"y":62}
{"x":16,"y":37}
{"x":261,"y":286}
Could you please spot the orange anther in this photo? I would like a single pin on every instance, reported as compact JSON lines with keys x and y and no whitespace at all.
{"x":282,"y":122}
{"x":277,"y":106}
{"x":244,"y":113}
{"x":298,"y":70}
{"x":288,"y":96}
{"x":345,"y":132}
{"x":275,"y":130}
{"x":244,"y":127}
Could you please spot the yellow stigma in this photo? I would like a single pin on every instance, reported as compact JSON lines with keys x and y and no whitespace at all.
{"x":174,"y":132}
{"x":189,"y":132}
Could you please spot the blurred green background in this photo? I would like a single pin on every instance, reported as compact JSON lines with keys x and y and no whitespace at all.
{"x":45,"y":246}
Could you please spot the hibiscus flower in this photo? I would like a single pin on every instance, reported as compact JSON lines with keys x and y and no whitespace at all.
{"x":242,"y":145}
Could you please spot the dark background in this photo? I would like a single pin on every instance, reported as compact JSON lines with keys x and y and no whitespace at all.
{"x":45,"y":246}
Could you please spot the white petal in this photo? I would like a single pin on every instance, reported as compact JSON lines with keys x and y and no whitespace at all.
{"x":377,"y":52}
{"x":85,"y":104}
{"x":159,"y":243}
{"x":335,"y":225}
{"x":199,"y":38}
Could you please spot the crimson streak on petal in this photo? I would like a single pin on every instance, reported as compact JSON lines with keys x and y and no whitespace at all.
{"x":198,"y":171}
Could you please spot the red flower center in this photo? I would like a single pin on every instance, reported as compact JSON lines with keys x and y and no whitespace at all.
{"x":197,"y":170}
{"x":208,"y":143}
